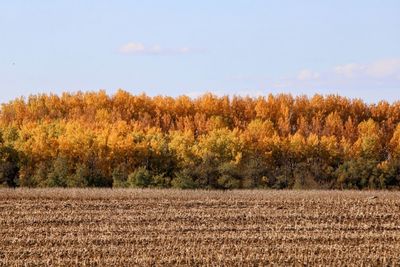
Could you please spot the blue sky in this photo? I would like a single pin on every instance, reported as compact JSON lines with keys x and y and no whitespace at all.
{"x":189,"y":47}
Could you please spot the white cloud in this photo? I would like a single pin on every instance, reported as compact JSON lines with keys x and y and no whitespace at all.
{"x":352,"y":78}
{"x":378,"y":69}
{"x":132,"y":48}
{"x":349,"y":70}
{"x":184,"y":50}
{"x":384,"y":68}
{"x":307,"y":74}
{"x":156,"y":49}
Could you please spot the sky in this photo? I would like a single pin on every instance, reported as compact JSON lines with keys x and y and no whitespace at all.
{"x":234,"y":47}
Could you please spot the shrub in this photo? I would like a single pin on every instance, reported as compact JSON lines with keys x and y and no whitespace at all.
{"x":39,"y":178}
{"x":57,"y":177}
{"x":359,"y":173}
{"x":183,"y":180}
{"x":80,"y":177}
{"x":120,"y":176}
{"x":9,"y":168}
{"x":161,"y":181}
{"x":228,"y":182}
{"x":229,"y":177}
{"x":140,"y":178}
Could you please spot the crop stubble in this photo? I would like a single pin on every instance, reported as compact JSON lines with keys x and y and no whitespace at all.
{"x":170,"y":227}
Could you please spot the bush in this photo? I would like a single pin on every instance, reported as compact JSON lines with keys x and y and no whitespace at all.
{"x":254,"y":172}
{"x":390,"y":177}
{"x":183,"y":180}
{"x":206,"y":172}
{"x":59,"y":173}
{"x":359,"y":173}
{"x":281,"y":182}
{"x":141,"y":177}
{"x":161,"y":181}
{"x":228,"y":182}
{"x":9,"y":168}
{"x":80,"y":177}
{"x":97,"y":179}
{"x":120,"y":176}
{"x":39,"y":178}
{"x":229,"y":176}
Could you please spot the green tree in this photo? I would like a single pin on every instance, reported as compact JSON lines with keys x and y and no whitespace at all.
{"x":120,"y":176}
{"x":359,"y":173}
{"x":80,"y":177}
{"x":183,"y":180}
{"x":59,"y":173}
{"x":9,"y":168}
{"x":141,"y":178}
{"x":229,"y":177}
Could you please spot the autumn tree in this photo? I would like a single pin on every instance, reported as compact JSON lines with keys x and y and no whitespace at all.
{"x":276,"y":141}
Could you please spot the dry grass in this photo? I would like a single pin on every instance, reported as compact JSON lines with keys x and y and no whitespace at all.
{"x":168,"y":227}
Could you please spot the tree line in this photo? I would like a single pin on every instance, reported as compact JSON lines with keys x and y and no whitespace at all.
{"x":277,"y":141}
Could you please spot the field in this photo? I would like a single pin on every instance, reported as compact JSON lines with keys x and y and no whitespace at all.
{"x":105,"y":227}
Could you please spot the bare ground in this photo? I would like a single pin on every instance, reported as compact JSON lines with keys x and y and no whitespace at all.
{"x":105,"y":227}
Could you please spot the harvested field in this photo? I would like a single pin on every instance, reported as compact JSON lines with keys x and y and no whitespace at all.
{"x":190,"y":228}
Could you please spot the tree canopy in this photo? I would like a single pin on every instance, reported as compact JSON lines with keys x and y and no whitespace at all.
{"x":276,"y":141}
